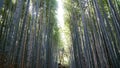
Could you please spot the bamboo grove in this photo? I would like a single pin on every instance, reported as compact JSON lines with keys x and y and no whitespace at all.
{"x":95,"y":33}
{"x":30,"y":36}
{"x":29,"y":33}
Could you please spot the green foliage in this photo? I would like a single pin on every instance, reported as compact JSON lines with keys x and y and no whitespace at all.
{"x":30,"y":35}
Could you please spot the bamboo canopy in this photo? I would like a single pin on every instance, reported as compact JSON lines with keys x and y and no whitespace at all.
{"x":31,"y":36}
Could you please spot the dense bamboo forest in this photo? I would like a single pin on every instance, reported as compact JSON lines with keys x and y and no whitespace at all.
{"x":59,"y":33}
